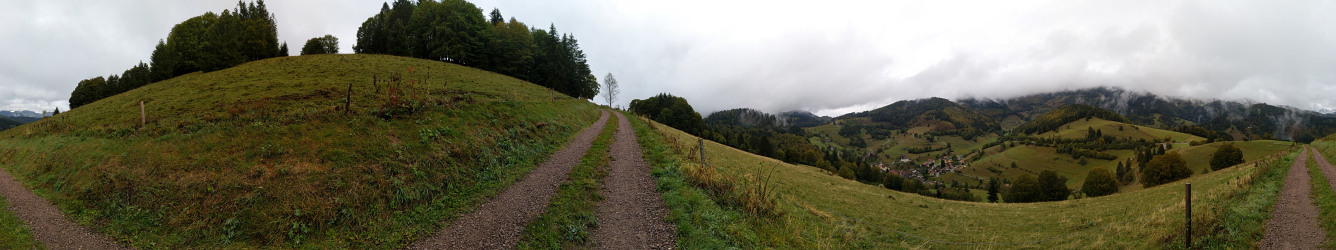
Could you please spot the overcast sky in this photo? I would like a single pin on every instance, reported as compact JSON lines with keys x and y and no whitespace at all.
{"x":828,"y":57}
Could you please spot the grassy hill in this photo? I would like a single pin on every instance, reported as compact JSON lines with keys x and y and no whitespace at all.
{"x":1077,"y":129}
{"x":1033,"y":159}
{"x":265,"y":154}
{"x":822,"y":210}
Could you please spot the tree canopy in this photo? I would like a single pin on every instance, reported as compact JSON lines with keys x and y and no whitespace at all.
{"x":327,"y":44}
{"x":206,"y":43}
{"x":456,"y":31}
{"x":670,"y":110}
{"x":1024,"y":189}
{"x":1099,"y":182}
{"x":1163,"y":169}
{"x":1226,"y":156}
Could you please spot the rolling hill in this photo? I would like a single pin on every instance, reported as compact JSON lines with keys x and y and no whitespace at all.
{"x":278,"y":153}
{"x":823,"y":210}
{"x":940,"y":114}
{"x":1253,"y":120}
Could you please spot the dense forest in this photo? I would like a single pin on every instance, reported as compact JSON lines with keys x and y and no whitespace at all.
{"x":456,"y":31}
{"x":206,"y":43}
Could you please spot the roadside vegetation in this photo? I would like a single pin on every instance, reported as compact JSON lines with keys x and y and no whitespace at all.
{"x":14,"y":233}
{"x":1323,"y":194}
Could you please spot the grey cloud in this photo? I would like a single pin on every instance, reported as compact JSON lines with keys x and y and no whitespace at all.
{"x":829,"y":57}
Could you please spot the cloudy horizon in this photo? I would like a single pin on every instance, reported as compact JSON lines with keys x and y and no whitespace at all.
{"x":829,"y":58}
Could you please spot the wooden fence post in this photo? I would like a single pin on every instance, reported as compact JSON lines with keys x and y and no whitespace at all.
{"x":702,"y":151}
{"x":347,"y":106}
{"x":143,"y":117}
{"x":1188,"y":241}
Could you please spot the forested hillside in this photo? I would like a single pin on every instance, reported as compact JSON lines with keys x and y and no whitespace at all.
{"x":944,"y":116}
{"x":1050,"y":121}
{"x":1245,"y":120}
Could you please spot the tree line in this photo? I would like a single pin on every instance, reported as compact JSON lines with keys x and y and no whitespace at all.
{"x":206,"y":43}
{"x":456,"y":31}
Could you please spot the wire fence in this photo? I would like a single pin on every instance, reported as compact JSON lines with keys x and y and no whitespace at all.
{"x":906,"y":234}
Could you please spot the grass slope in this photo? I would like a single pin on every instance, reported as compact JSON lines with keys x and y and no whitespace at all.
{"x":817,"y":204}
{"x":1077,"y":130}
{"x":263,"y":155}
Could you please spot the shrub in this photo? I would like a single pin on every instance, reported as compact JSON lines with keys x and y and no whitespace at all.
{"x":893,"y":182}
{"x":1099,"y":182}
{"x":1227,"y":156}
{"x":1053,"y":187}
{"x":1164,"y":169}
{"x":1023,"y":190}
{"x":847,"y":173}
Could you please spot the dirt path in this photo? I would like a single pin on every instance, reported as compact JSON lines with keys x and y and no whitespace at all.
{"x":498,"y":223}
{"x":1327,"y":169}
{"x":1294,"y":223}
{"x":49,"y":225}
{"x":631,"y":216}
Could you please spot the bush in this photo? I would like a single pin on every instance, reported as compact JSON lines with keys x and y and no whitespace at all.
{"x":847,"y":173}
{"x":913,"y":186}
{"x":1227,"y":156}
{"x":1164,"y":169}
{"x":1099,"y":182}
{"x":1024,"y":189}
{"x":327,"y":44}
{"x":1053,"y":187}
{"x":893,"y":182}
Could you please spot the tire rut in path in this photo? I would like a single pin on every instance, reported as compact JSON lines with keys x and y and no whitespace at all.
{"x":49,"y":225}
{"x":631,"y":216}
{"x":1294,"y":223}
{"x":1327,"y":169}
{"x":497,"y":224}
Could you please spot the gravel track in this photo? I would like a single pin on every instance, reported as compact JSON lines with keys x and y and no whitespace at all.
{"x":1294,"y":223}
{"x":631,"y":215}
{"x":49,"y":225}
{"x":498,"y":223}
{"x":1327,"y":170}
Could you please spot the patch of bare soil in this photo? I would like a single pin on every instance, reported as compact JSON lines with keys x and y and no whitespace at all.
{"x":49,"y":225}
{"x":498,"y":223}
{"x":1294,"y":223}
{"x":631,"y":215}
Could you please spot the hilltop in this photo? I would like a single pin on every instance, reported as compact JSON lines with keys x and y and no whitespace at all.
{"x":274,"y":153}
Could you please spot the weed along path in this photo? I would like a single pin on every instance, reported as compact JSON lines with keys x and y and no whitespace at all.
{"x":49,"y":225}
{"x":1294,"y":223}
{"x":631,"y":216}
{"x":499,"y":222}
